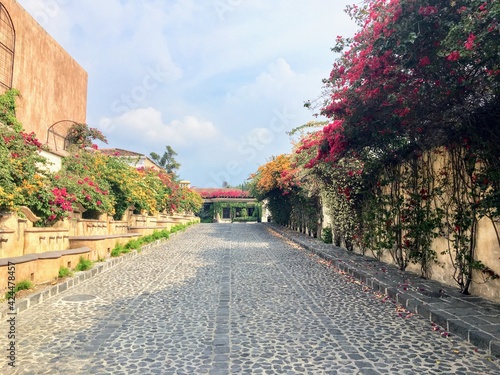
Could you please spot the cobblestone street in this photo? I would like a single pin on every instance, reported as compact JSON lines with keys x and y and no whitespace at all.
{"x":230,"y":299}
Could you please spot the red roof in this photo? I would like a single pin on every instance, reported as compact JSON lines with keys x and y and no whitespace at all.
{"x":119,"y":152}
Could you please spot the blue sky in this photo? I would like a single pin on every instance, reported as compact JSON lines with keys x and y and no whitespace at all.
{"x":221,"y":81}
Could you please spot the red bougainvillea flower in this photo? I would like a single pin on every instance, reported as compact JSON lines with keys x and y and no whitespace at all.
{"x":424,"y":61}
{"x":223,"y":193}
{"x":453,"y":56}
{"x":470,"y":43}
{"x":428,"y":11}
{"x":30,"y":139}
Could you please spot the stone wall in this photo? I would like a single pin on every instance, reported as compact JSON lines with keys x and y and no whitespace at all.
{"x":487,"y":250}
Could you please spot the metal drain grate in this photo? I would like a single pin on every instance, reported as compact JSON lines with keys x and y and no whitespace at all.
{"x":79,"y":298}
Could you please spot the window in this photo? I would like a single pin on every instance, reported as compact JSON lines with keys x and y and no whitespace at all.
{"x":7,"y":39}
{"x":226,"y":213}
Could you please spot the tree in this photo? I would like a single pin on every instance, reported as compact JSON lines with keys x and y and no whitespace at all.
{"x":167,"y":161}
{"x":290,"y":199}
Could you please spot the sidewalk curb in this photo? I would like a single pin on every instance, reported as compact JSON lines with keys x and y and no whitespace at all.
{"x":473,"y":319}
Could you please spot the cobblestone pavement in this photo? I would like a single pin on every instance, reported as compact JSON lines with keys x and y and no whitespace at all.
{"x":230,"y":299}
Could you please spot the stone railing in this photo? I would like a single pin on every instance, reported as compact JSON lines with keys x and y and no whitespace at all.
{"x":39,"y":252}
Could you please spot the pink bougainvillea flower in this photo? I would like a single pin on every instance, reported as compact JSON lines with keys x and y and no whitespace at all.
{"x":427,"y":11}
{"x":424,"y":61}
{"x":470,"y":43}
{"x":453,"y":56}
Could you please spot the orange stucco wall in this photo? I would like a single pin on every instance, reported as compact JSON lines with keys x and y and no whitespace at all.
{"x":52,"y":84}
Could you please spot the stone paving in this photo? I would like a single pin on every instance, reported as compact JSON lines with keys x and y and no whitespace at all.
{"x":230,"y":299}
{"x":474,"y":319}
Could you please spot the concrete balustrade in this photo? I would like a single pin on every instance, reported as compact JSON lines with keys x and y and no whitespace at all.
{"x":41,"y":240}
{"x":37,"y":253}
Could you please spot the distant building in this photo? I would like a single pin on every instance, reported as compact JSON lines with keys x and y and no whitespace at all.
{"x":226,"y":205}
{"x":134,"y":159}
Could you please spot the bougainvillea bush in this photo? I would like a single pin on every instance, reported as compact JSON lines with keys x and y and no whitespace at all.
{"x":223,"y":193}
{"x":420,"y":76}
{"x":120,"y":186}
{"x":410,"y":150}
{"x":267,"y":184}
{"x":23,"y":172}
{"x":191,"y":201}
{"x":82,"y":136}
{"x":291,"y":197}
{"x":101,"y":184}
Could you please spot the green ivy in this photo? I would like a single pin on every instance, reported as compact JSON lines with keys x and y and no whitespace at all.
{"x":8,"y":109}
{"x":326,"y":235}
{"x":238,"y":211}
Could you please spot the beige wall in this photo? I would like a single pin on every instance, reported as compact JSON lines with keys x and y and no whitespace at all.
{"x":52,"y":84}
{"x":54,"y":162}
{"x":487,"y":251}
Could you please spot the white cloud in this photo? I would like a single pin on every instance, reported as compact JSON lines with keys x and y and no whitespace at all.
{"x":146,"y":126}
{"x":272,"y":84}
{"x":186,"y":130}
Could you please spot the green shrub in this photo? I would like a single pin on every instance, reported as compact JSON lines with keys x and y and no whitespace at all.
{"x":117,"y":250}
{"x":24,"y":285}
{"x":155,"y":236}
{"x":164,"y":234}
{"x":136,"y":244}
{"x":148,"y":238}
{"x":21,"y":285}
{"x":178,"y":228}
{"x":133,"y":245}
{"x":83,"y":264}
{"x":245,"y":219}
{"x":326,"y":235}
{"x":64,"y":272}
